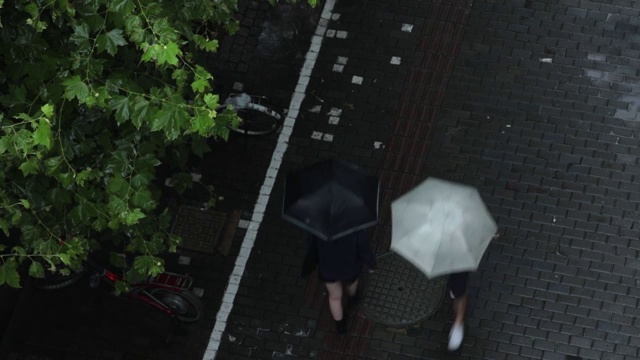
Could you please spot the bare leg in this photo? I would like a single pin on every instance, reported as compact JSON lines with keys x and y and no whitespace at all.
{"x":352,"y":289}
{"x":460,"y":307}
{"x":457,"y":330}
{"x":335,"y":300}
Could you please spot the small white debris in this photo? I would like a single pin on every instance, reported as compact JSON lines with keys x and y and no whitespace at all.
{"x":340,"y":34}
{"x":243,"y":224}
{"x":330,"y":33}
{"x":396,"y":60}
{"x":184,"y":260}
{"x":316,"y":135}
{"x":302,"y":333}
{"x":289,"y":350}
{"x":197,"y":291}
{"x":554,"y":219}
{"x":334,"y":120}
{"x":407,"y":27}
{"x":168,"y":182}
{"x":342,"y":60}
{"x":238,"y":86}
{"x":335,"y":111}
{"x":232,"y":338}
{"x":338,"y":68}
{"x":196,"y":177}
{"x":335,"y":17}
{"x":378,"y":145}
{"x":546,"y":60}
{"x":357,"y":80}
{"x":508,"y":126}
{"x":316,"y":109}
{"x":328,"y":137}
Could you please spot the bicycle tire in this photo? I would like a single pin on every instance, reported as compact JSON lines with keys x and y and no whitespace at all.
{"x":172,"y":300}
{"x":57,"y":281}
{"x":256,"y":120}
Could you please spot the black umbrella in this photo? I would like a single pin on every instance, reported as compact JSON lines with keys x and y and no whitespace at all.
{"x":331,"y":199}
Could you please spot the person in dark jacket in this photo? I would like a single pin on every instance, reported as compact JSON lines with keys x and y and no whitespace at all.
{"x":340,"y":263}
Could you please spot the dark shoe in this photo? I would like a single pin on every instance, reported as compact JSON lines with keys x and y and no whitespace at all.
{"x":341,"y":326}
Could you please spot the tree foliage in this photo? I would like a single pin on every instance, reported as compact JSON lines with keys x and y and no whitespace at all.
{"x":95,"y":95}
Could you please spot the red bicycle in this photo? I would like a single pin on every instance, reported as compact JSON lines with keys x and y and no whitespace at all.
{"x":167,"y":292}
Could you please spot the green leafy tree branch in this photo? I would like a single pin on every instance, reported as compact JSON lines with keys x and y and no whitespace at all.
{"x":95,"y":95}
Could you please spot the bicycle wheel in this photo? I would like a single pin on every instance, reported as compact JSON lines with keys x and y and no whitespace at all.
{"x":257,"y":119}
{"x":59,"y":281}
{"x":185,"y":305}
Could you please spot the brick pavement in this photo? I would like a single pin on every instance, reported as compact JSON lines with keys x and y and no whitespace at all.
{"x":551,"y":144}
{"x":537,"y":107}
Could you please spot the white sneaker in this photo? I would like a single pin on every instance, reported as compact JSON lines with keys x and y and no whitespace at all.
{"x":456,"y":336}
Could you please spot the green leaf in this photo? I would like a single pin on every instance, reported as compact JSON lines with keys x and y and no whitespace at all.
{"x":121,"y":6}
{"x":180,"y":76}
{"x":65,"y":258}
{"x":133,"y":217}
{"x":9,"y":274}
{"x":47,"y":110}
{"x":4,"y":226}
{"x":212,"y":101}
{"x":43,"y":135}
{"x":30,"y":166}
{"x":110,"y":41}
{"x":168,"y":53}
{"x":200,"y":85}
{"x":122,"y":107}
{"x":25,"y":203}
{"x":36,"y":270}
{"x":80,"y":37}
{"x":75,"y":88}
{"x":142,"y":198}
{"x":141,"y":110}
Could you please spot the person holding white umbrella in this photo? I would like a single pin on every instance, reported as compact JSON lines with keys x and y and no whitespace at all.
{"x":443,"y":228}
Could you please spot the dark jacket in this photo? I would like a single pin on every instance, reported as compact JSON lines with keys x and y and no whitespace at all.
{"x":341,"y":259}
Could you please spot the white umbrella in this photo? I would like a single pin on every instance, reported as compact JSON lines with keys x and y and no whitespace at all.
{"x":441,"y":227}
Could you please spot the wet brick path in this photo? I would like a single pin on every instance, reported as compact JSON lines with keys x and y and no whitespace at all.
{"x":533,"y":102}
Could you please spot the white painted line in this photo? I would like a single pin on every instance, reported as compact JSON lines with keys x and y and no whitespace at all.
{"x":265,"y":191}
{"x":357,"y":80}
{"x":407,"y":27}
{"x":340,"y":34}
{"x":316,"y":135}
{"x":334,"y":120}
{"x":396,"y":60}
{"x":328,"y":137}
{"x":330,"y":33}
{"x":338,"y":68}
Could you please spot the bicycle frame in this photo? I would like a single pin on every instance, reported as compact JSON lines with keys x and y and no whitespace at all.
{"x":165,"y":281}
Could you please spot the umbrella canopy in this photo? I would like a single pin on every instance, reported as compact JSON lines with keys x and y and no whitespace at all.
{"x":441,"y":227}
{"x":331,"y":199}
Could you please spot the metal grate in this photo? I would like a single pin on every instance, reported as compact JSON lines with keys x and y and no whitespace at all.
{"x":200,"y":229}
{"x":399,"y":295}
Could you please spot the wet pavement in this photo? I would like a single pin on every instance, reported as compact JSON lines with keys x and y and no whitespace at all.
{"x":533,"y":102}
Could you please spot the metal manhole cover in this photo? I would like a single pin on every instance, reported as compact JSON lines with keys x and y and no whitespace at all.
{"x":399,"y":295}
{"x":200,"y":229}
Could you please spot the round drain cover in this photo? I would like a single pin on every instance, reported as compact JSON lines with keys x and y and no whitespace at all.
{"x":399,"y":295}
